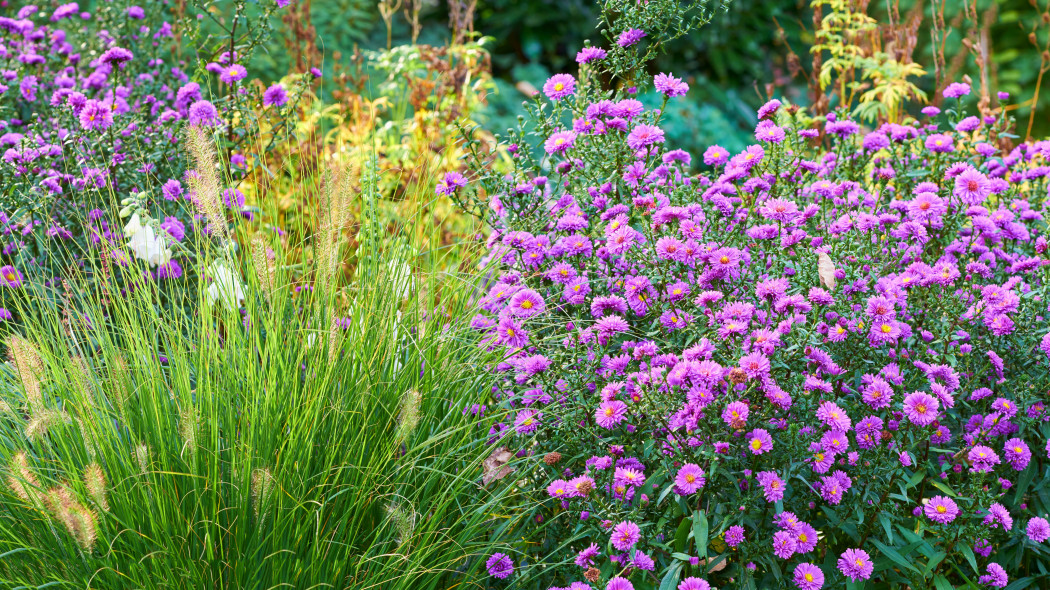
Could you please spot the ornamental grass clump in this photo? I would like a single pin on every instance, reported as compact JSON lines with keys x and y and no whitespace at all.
{"x":292,"y":428}
{"x":821,"y":360}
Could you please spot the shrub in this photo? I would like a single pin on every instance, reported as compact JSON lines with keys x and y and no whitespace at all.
{"x":95,"y":106}
{"x":821,"y":361}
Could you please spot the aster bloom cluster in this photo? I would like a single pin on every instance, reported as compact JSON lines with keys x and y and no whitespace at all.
{"x":833,"y":343}
{"x":95,"y":106}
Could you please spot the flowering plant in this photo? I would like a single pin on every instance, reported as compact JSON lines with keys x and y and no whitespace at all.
{"x":820,"y":361}
{"x":94,"y":112}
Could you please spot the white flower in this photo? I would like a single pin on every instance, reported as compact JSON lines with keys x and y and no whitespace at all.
{"x":225,"y":285}
{"x":146,"y":243}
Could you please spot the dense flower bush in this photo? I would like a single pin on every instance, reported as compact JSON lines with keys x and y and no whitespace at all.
{"x":91,"y":120}
{"x":823,"y":360}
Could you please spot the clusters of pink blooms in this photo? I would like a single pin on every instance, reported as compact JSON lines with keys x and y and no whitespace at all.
{"x":834,"y":335}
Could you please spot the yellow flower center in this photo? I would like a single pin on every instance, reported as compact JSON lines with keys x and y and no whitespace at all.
{"x":941,"y":509}
{"x":526,"y":304}
{"x":756,"y":444}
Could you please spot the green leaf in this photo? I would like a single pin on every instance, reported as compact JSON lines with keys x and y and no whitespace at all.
{"x":894,"y":556}
{"x":681,"y":556}
{"x":968,"y":554}
{"x":670,"y":580}
{"x":944,"y":488}
{"x":700,"y":532}
{"x":885,"y":520}
{"x":1022,"y":482}
{"x":915,"y":479}
{"x":942,"y":583}
{"x":1020,"y":583}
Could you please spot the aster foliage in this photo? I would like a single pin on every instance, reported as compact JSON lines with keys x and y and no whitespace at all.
{"x":821,"y":360}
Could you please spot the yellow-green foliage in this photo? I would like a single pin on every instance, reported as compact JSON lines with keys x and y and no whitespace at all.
{"x":857,"y":65}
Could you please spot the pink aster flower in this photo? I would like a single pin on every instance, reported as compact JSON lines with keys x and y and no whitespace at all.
{"x":692,"y":583}
{"x":589,"y":54}
{"x":982,"y":459}
{"x":610,"y":413}
{"x":784,"y":544}
{"x":996,"y":577}
{"x":625,"y":535}
{"x":559,"y":86}
{"x":630,"y":37}
{"x":856,"y":564}
{"x":644,"y":136}
{"x":689,"y":480}
{"x":1038,"y":529}
{"x":808,"y":577}
{"x":525,"y":304}
{"x":941,"y":509}
{"x":670,"y":86}
{"x":734,"y":535}
{"x":1017,"y":453}
{"x":560,"y":142}
{"x":921,"y":408}
{"x":759,"y":441}
{"x":972,"y":187}
{"x":500,"y":565}
{"x":735,"y":414}
{"x":772,"y":486}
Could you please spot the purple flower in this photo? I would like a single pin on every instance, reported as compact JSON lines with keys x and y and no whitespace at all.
{"x":1038,"y":529}
{"x":644,"y":136}
{"x":956,"y":90}
{"x":856,"y":564}
{"x":275,"y":95}
{"x":619,"y":583}
{"x":692,"y":583}
{"x":589,"y":54}
{"x":625,"y":535}
{"x":559,"y":86}
{"x":689,"y":480}
{"x":526,"y":304}
{"x":450,"y":183}
{"x":759,"y":441}
{"x":610,"y":413}
{"x":204,"y":113}
{"x":116,"y":55}
{"x":169,"y":270}
{"x":734,"y":535}
{"x":772,"y":486}
{"x":939,"y":142}
{"x":1017,"y":453}
{"x":642,"y":561}
{"x":233,"y":74}
{"x":921,"y":408}
{"x":784,"y":544}
{"x":95,"y":116}
{"x":769,"y":131}
{"x":527,"y":421}
{"x":972,"y":187}
{"x":11,"y":276}
{"x":716,"y":156}
{"x":500,"y":565}
{"x":996,"y":577}
{"x":768,"y":109}
{"x":670,"y":86}
{"x":630,"y":37}
{"x":982,"y":459}
{"x":941,"y":509}
{"x":808,"y":577}
{"x":559,"y":142}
